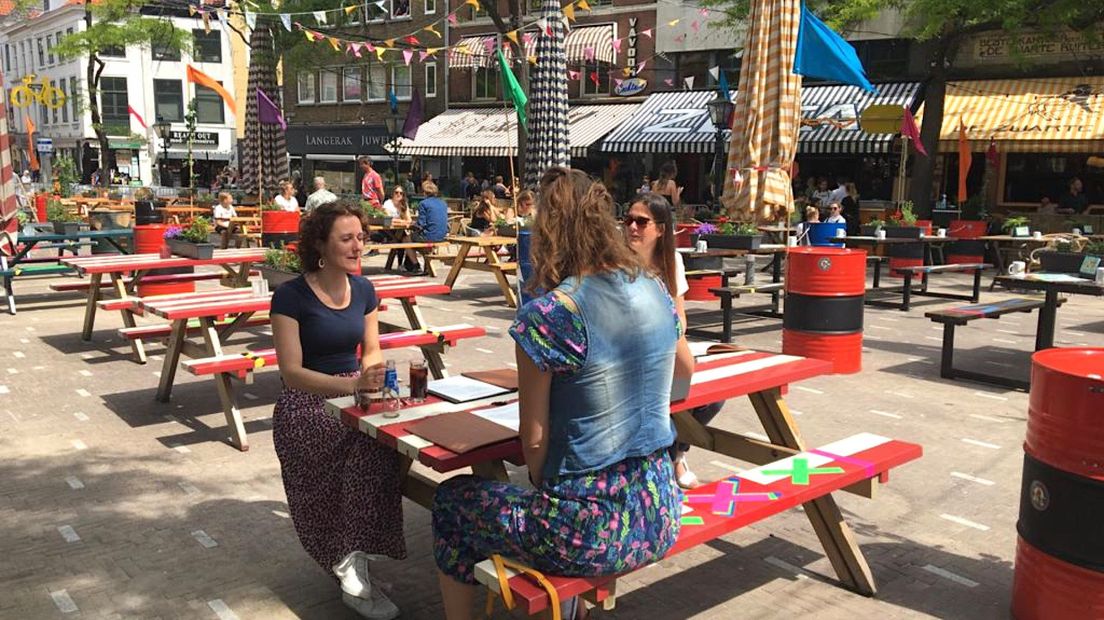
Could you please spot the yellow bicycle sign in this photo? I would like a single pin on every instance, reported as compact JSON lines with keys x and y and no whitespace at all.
{"x":29,"y":93}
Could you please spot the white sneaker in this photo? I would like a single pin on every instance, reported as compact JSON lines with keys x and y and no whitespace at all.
{"x":378,"y":607}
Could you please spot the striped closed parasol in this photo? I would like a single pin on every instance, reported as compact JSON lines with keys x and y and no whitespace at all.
{"x":767,"y":114}
{"x":9,"y":204}
{"x":548,"y":139}
{"x":265,"y":144}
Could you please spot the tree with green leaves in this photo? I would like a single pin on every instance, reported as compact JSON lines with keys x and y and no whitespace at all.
{"x":944,"y":26}
{"x":114,"y":24}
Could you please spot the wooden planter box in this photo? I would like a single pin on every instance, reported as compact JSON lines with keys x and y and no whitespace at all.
{"x":66,"y":228}
{"x":1061,"y":262}
{"x":506,"y":231}
{"x":275,"y":277}
{"x":187,"y":249}
{"x":967,"y":229}
{"x":903,"y":232}
{"x":733,"y":242}
{"x":380,"y":221}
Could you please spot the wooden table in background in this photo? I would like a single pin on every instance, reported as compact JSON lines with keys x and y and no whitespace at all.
{"x":489,"y":261}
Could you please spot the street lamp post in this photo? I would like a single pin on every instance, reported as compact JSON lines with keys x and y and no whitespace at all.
{"x":720,"y":113}
{"x":393,"y":127}
{"x":163,"y":129}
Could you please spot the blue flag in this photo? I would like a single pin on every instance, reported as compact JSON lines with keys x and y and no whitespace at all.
{"x":393,"y":100}
{"x":722,"y":84}
{"x":821,"y":53}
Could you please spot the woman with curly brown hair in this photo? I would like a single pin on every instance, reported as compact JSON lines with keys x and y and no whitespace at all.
{"x":596,"y":356}
{"x":342,"y":487}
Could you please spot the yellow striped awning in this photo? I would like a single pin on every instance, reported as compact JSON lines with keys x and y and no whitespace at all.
{"x":1041,"y":115}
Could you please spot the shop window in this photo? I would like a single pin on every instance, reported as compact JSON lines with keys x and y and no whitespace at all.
{"x":113,"y":106}
{"x":327,"y":86}
{"x":485,"y":83}
{"x":430,"y":80}
{"x":54,"y":115}
{"x":41,"y":53}
{"x":162,"y":51}
{"x":601,"y":3}
{"x":400,"y":81}
{"x":168,"y":98}
{"x":208,"y":106}
{"x":1030,"y":177}
{"x":207,"y":46}
{"x":306,"y":87}
{"x":400,"y":8}
{"x":377,"y":81}
{"x":602,"y":86}
{"x":113,"y":51}
{"x":883,"y":58}
{"x":352,"y":84}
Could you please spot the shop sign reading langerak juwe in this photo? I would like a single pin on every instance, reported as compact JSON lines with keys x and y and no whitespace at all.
{"x":337,"y":140}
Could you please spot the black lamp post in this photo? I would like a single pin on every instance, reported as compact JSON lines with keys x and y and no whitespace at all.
{"x":393,"y":128}
{"x":720,"y":113}
{"x":163,"y":128}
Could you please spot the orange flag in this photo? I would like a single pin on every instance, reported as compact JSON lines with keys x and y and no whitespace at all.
{"x":201,"y":78}
{"x":965,"y":158}
{"x":31,"y":152}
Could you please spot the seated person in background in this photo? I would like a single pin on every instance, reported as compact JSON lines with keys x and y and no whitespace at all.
{"x":526,"y":208}
{"x":431,"y":225}
{"x":834,"y":215}
{"x":500,"y":190}
{"x":812,"y":216}
{"x":221,"y":215}
{"x":596,"y":356}
{"x":484,"y":214}
{"x":286,"y":199}
{"x":397,"y":208}
{"x":1046,"y":207}
{"x":1073,"y":201}
{"x":320,"y":196}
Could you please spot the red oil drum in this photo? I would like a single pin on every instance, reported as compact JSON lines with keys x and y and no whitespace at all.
{"x":823,"y":318}
{"x":682,"y":235}
{"x":148,"y":239}
{"x":40,"y":207}
{"x":699,"y":288}
{"x":279,"y":228}
{"x":966,"y":251}
{"x":1060,"y":549}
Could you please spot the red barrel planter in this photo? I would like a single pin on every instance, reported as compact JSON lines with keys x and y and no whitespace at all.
{"x":699,"y":288}
{"x":925,"y":225}
{"x":682,"y":236}
{"x":966,"y":251}
{"x":279,"y":227}
{"x":823,"y":318}
{"x":1060,"y":547}
{"x":148,"y":239}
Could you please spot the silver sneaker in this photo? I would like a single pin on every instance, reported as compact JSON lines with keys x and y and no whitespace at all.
{"x":378,"y":607}
{"x":358,"y":591}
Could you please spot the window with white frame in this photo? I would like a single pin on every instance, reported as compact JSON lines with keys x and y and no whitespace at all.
{"x":168,"y":99}
{"x":307,"y":90}
{"x":430,"y":7}
{"x":592,"y":70}
{"x":377,"y":81}
{"x":327,"y":86}
{"x":41,"y":53}
{"x":352,"y":87}
{"x":74,"y":99}
{"x":208,"y":106}
{"x":485,"y":83}
{"x":376,"y":12}
{"x":400,"y":8}
{"x":50,"y":48}
{"x":55,"y":116}
{"x":401,"y":81}
{"x":63,"y":85}
{"x":430,"y":80}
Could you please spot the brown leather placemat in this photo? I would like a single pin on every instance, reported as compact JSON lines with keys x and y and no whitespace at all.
{"x":505,"y":378}
{"x":461,"y":432}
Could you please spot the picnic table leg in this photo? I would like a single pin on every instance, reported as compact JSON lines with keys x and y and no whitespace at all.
{"x":726,"y":318}
{"x":90,"y":306}
{"x":229,"y":401}
{"x":977,"y":286}
{"x":998,"y":262}
{"x":457,"y":264}
{"x":503,"y":282}
{"x":906,"y":292}
{"x":136,"y":346}
{"x":946,"y":361}
{"x":877,"y":273}
{"x":417,"y":321}
{"x":834,"y":534}
{"x":172,"y":359}
{"x":1044,"y":333}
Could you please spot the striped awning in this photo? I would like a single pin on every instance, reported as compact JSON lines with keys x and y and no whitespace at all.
{"x":597,"y":39}
{"x":1052,"y":115}
{"x":492,"y":132}
{"x":471,"y":52}
{"x":678,"y":121}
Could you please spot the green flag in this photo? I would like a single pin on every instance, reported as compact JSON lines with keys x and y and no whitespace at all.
{"x":513,"y":89}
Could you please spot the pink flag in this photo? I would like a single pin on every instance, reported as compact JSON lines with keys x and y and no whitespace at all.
{"x":912,"y":132}
{"x":422,"y":55}
{"x":640,"y":67}
{"x":695,"y":26}
{"x":355,"y":49}
{"x":488,"y":46}
{"x":647,"y":33}
{"x":588,"y":53}
{"x":617,"y":45}
{"x":268,"y":112}
{"x":573,"y":75}
{"x":527,"y":38}
{"x":407,"y":55}
{"x":669,"y":81}
{"x":594,"y":77}
{"x":452,"y":18}
{"x":617,"y":81}
{"x":368,"y":46}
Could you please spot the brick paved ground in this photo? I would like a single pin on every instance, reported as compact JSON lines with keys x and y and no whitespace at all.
{"x":113,"y":505}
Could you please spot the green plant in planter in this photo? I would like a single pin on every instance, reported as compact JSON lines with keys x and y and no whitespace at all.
{"x":877,"y":223}
{"x":197,"y":232}
{"x":726,"y":228}
{"x":372,"y":211}
{"x":56,"y":212}
{"x":904,"y":215}
{"x":501,"y":222}
{"x":22,"y":217}
{"x":283,"y":259}
{"x":1095,"y":248}
{"x":1014,"y":222}
{"x":65,"y":173}
{"x":746,"y":228}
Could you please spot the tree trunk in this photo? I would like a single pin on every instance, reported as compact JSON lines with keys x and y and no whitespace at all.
{"x":923,"y":168}
{"x":93,"y":79}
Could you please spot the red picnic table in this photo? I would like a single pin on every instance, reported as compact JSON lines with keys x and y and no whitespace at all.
{"x":760,"y":376}
{"x":237,"y":264}
{"x":215,"y":315}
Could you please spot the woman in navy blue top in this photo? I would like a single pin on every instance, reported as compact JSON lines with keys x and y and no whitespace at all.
{"x":342,"y":486}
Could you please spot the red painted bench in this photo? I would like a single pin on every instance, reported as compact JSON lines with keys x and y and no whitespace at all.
{"x":719,"y":508}
{"x":83,"y":287}
{"x":163,"y":330}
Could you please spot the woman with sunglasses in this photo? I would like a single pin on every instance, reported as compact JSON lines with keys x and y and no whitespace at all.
{"x":649,"y":231}
{"x":595,"y":356}
{"x":397,"y":208}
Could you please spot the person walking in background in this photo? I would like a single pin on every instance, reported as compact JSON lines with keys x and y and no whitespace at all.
{"x":595,"y":421}
{"x":667,"y":186}
{"x":371,"y":184}
{"x":319,"y":196}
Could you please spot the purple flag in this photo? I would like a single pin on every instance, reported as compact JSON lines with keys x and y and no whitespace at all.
{"x":413,"y":116}
{"x":267,"y":112}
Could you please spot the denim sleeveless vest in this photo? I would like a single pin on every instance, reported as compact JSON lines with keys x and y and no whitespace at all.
{"x":617,"y":405}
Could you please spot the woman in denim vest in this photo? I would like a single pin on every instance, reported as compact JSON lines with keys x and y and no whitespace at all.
{"x":596,"y":357}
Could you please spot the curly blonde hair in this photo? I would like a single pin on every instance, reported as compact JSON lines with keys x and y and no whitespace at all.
{"x":574,"y":233}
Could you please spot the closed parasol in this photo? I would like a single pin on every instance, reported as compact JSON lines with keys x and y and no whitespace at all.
{"x":265,"y":151}
{"x":548,"y":139}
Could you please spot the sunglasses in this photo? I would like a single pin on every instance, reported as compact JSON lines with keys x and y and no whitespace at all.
{"x":640,"y":221}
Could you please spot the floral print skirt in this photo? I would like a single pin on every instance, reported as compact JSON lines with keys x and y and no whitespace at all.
{"x":602,"y":522}
{"x":342,"y":486}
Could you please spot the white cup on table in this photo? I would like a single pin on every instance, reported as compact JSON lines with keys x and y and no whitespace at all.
{"x":1017,"y":268}
{"x":879,"y":234}
{"x":1077,"y":231}
{"x":791,"y":241}
{"x":702,"y":246}
{"x":942,"y":232}
{"x":1038,"y":234}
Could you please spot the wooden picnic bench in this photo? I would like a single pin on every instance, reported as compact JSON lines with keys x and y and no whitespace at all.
{"x":727,"y":293}
{"x":491,"y":262}
{"x":962,"y":315}
{"x":20,"y":264}
{"x":396,"y":251}
{"x":925,"y":271}
{"x":856,"y":464}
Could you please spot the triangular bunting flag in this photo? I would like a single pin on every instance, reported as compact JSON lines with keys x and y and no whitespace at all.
{"x":349,"y":10}
{"x":646,"y":33}
{"x":319,"y":17}
{"x":715,"y":72}
{"x":526,"y":38}
{"x":431,"y":28}
{"x":689,"y":82}
{"x":594,"y":77}
{"x":334,"y":44}
{"x":573,"y":75}
{"x":389,"y":43}
{"x":379,"y":53}
{"x":381,"y":5}
{"x":368,"y":46}
{"x":588,"y":53}
{"x":583,"y":6}
{"x":413,"y":40}
{"x":626,"y":71}
{"x":512,"y":35}
{"x":569,"y":12}
{"x":473,"y":3}
{"x":355,"y":49}
{"x":286,"y":19}
{"x":532,"y":60}
{"x":251,"y":20}
{"x":422,"y":55}
{"x":641,"y":66}
{"x":669,"y":82}
{"x":191,"y":11}
{"x":452,"y":19}
{"x":617,"y":81}
{"x":206,"y":22}
{"x":673,"y":22}
{"x":407,"y":55}
{"x":617,"y":46}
